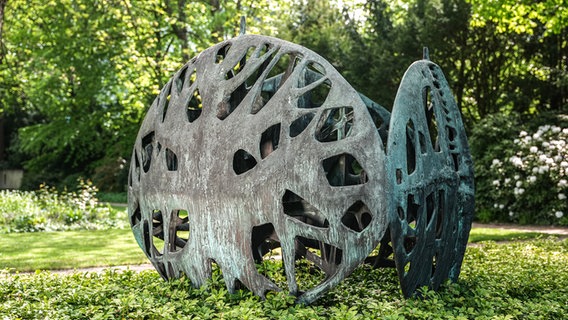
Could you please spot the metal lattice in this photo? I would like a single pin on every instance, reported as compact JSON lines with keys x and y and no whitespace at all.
{"x":258,"y":143}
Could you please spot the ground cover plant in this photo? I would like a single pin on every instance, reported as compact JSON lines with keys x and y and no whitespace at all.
{"x":512,"y":280}
{"x":49,"y":209}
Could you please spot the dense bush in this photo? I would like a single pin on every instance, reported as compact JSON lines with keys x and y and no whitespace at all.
{"x":523,"y":280}
{"x":51,"y":210}
{"x":521,"y":171}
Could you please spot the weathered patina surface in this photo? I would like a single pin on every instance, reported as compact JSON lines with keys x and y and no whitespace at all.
{"x":258,"y":143}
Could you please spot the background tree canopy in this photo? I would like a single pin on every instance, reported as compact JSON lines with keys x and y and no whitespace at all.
{"x":76,"y":76}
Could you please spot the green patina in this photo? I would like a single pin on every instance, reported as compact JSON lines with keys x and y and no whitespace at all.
{"x":258,"y":148}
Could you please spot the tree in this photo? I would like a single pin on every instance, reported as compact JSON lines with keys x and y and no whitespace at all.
{"x":90,"y":69}
{"x":522,"y":45}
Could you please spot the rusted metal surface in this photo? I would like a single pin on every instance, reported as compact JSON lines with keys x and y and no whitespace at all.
{"x":258,"y":143}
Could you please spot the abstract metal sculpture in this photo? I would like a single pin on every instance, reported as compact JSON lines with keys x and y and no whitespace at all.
{"x":258,"y":143}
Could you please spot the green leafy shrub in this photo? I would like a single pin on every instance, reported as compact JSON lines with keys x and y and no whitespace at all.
{"x":516,"y":280}
{"x":51,"y":210}
{"x":521,"y":175}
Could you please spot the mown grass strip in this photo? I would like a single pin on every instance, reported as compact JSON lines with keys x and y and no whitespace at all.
{"x":69,"y":250}
{"x":80,"y":249}
{"x":496,"y":234}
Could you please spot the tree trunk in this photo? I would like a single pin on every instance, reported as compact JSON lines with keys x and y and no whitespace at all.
{"x":2,"y":55}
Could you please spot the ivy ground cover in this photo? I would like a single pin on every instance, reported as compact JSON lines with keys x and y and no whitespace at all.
{"x":513,"y":280}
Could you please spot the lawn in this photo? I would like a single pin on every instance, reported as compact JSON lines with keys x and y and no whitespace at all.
{"x":79,"y":249}
{"x":69,"y":249}
{"x":496,"y":234}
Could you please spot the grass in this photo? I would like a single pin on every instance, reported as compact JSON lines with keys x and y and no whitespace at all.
{"x":26,"y":252}
{"x":495,"y":234}
{"x":69,"y":250}
{"x":112,"y":197}
{"x":512,"y":280}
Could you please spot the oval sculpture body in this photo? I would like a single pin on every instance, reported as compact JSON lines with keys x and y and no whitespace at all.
{"x":258,"y":144}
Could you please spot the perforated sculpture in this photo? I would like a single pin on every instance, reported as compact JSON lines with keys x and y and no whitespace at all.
{"x":258,"y":143}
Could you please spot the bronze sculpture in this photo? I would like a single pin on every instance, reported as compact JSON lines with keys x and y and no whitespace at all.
{"x":258,"y":143}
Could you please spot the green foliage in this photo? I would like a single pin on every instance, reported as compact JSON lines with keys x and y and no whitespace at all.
{"x":88,"y":71}
{"x":518,"y":47}
{"x":524,"y":280}
{"x":521,"y":175}
{"x":76,"y":76}
{"x":49,"y":210}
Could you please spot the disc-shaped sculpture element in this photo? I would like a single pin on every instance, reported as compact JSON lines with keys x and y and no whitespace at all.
{"x":259,"y":143}
{"x":430,"y":169}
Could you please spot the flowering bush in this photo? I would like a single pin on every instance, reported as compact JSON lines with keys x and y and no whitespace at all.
{"x":527,"y":182}
{"x":51,"y":210}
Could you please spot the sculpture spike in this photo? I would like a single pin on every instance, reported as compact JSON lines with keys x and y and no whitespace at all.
{"x":243,"y":25}
{"x":425,"y":54}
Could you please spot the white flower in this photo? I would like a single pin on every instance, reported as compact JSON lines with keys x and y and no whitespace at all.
{"x":519,"y":184}
{"x":545,"y":144}
{"x":564,"y":164}
{"x":542,"y":158}
{"x":495,"y":162}
{"x":562,"y":183}
{"x":495,"y":205}
{"x":507,"y":180}
{"x":559,"y":214}
{"x":535,"y":170}
{"x":533,"y":149}
{"x":521,"y":191}
{"x":532,"y":179}
{"x":501,"y":206}
{"x":522,"y":133}
{"x":496,"y":183}
{"x":516,"y":161}
{"x":543,"y":169}
{"x":536,"y":136}
{"x":561,"y":196}
{"x":556,"y":129}
{"x":565,"y":130}
{"x":511,"y":213}
{"x":517,"y":177}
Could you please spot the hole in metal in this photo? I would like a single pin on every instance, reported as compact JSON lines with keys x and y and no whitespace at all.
{"x":171,"y":160}
{"x":147,"y":150}
{"x":335,"y":124}
{"x":269,"y":140}
{"x":296,"y":207}
{"x":243,"y":161}
{"x":300,"y":124}
{"x":357,"y":217}
{"x":344,"y":170}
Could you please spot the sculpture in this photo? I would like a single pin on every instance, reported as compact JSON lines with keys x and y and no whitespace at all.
{"x":258,"y":143}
